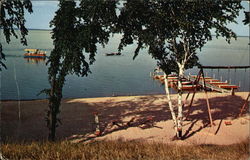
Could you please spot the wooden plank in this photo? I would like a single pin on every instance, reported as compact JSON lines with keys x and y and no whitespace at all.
{"x":194,"y":76}
{"x":211,"y":80}
{"x":172,"y":80}
{"x":183,"y":83}
{"x":217,"y":83}
{"x":172,"y":77}
{"x":212,"y":87}
{"x":186,"y":83}
{"x":187,"y":87}
{"x":228,"y":86}
{"x":31,"y":50}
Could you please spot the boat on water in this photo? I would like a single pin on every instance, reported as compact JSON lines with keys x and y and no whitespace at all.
{"x":34,"y":53}
{"x":113,"y":54}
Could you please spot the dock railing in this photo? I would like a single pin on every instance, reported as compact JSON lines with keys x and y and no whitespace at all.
{"x":224,"y":67}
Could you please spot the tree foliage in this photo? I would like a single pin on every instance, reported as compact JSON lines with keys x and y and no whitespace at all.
{"x":247,"y":18}
{"x":12,"y":18}
{"x":170,"y":27}
{"x":173,"y":31}
{"x":77,"y":30}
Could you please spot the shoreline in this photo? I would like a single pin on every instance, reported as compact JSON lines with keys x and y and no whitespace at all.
{"x":121,"y":95}
{"x":78,"y":119}
{"x":135,"y":95}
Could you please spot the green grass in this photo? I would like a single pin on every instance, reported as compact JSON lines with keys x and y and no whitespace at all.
{"x":119,"y":150}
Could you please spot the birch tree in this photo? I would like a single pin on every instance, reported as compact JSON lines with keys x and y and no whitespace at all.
{"x":173,"y":31}
{"x":76,"y":32}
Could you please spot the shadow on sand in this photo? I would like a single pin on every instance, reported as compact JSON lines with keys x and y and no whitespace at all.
{"x":78,"y":119}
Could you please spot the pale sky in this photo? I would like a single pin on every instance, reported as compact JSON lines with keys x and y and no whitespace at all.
{"x":44,"y":11}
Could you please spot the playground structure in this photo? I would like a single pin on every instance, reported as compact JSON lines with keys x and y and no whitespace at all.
{"x":191,"y":84}
{"x":194,"y":83}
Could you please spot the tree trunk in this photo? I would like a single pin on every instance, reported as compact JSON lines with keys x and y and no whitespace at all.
{"x":51,"y":113}
{"x":180,"y":114}
{"x":52,"y":125}
{"x":170,"y":101}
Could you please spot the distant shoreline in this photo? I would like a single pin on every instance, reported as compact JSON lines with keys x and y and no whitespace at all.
{"x":32,"y":29}
{"x":39,"y":29}
{"x":51,"y":30}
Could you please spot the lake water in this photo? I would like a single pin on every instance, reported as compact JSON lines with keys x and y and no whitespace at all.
{"x":111,"y":75}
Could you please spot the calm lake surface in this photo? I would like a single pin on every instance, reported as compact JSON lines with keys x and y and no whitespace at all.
{"x":111,"y":75}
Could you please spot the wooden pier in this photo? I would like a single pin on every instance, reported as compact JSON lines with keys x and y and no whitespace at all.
{"x":215,"y":85}
{"x":207,"y":83}
{"x":188,"y":83}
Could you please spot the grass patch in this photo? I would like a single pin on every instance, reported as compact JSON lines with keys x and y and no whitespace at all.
{"x":122,"y":150}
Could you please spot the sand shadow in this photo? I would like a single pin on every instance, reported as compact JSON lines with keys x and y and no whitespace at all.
{"x":78,"y":119}
{"x":222,"y":109}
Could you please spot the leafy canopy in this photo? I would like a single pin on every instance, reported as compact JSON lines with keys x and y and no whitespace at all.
{"x":77,"y":30}
{"x":12,"y":18}
{"x":172,"y":28}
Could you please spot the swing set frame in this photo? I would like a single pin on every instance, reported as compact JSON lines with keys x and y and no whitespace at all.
{"x":204,"y":88}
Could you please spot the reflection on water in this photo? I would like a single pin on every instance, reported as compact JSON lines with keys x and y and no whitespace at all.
{"x":113,"y":75}
{"x":35,"y":60}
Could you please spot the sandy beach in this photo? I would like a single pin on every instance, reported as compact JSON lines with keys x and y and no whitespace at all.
{"x":129,"y":118}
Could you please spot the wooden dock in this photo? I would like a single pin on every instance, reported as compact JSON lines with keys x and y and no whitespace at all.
{"x":188,"y":83}
{"x":211,"y":84}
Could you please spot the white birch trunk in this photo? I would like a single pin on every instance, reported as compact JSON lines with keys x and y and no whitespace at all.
{"x":170,"y":101}
{"x":180,"y":112}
